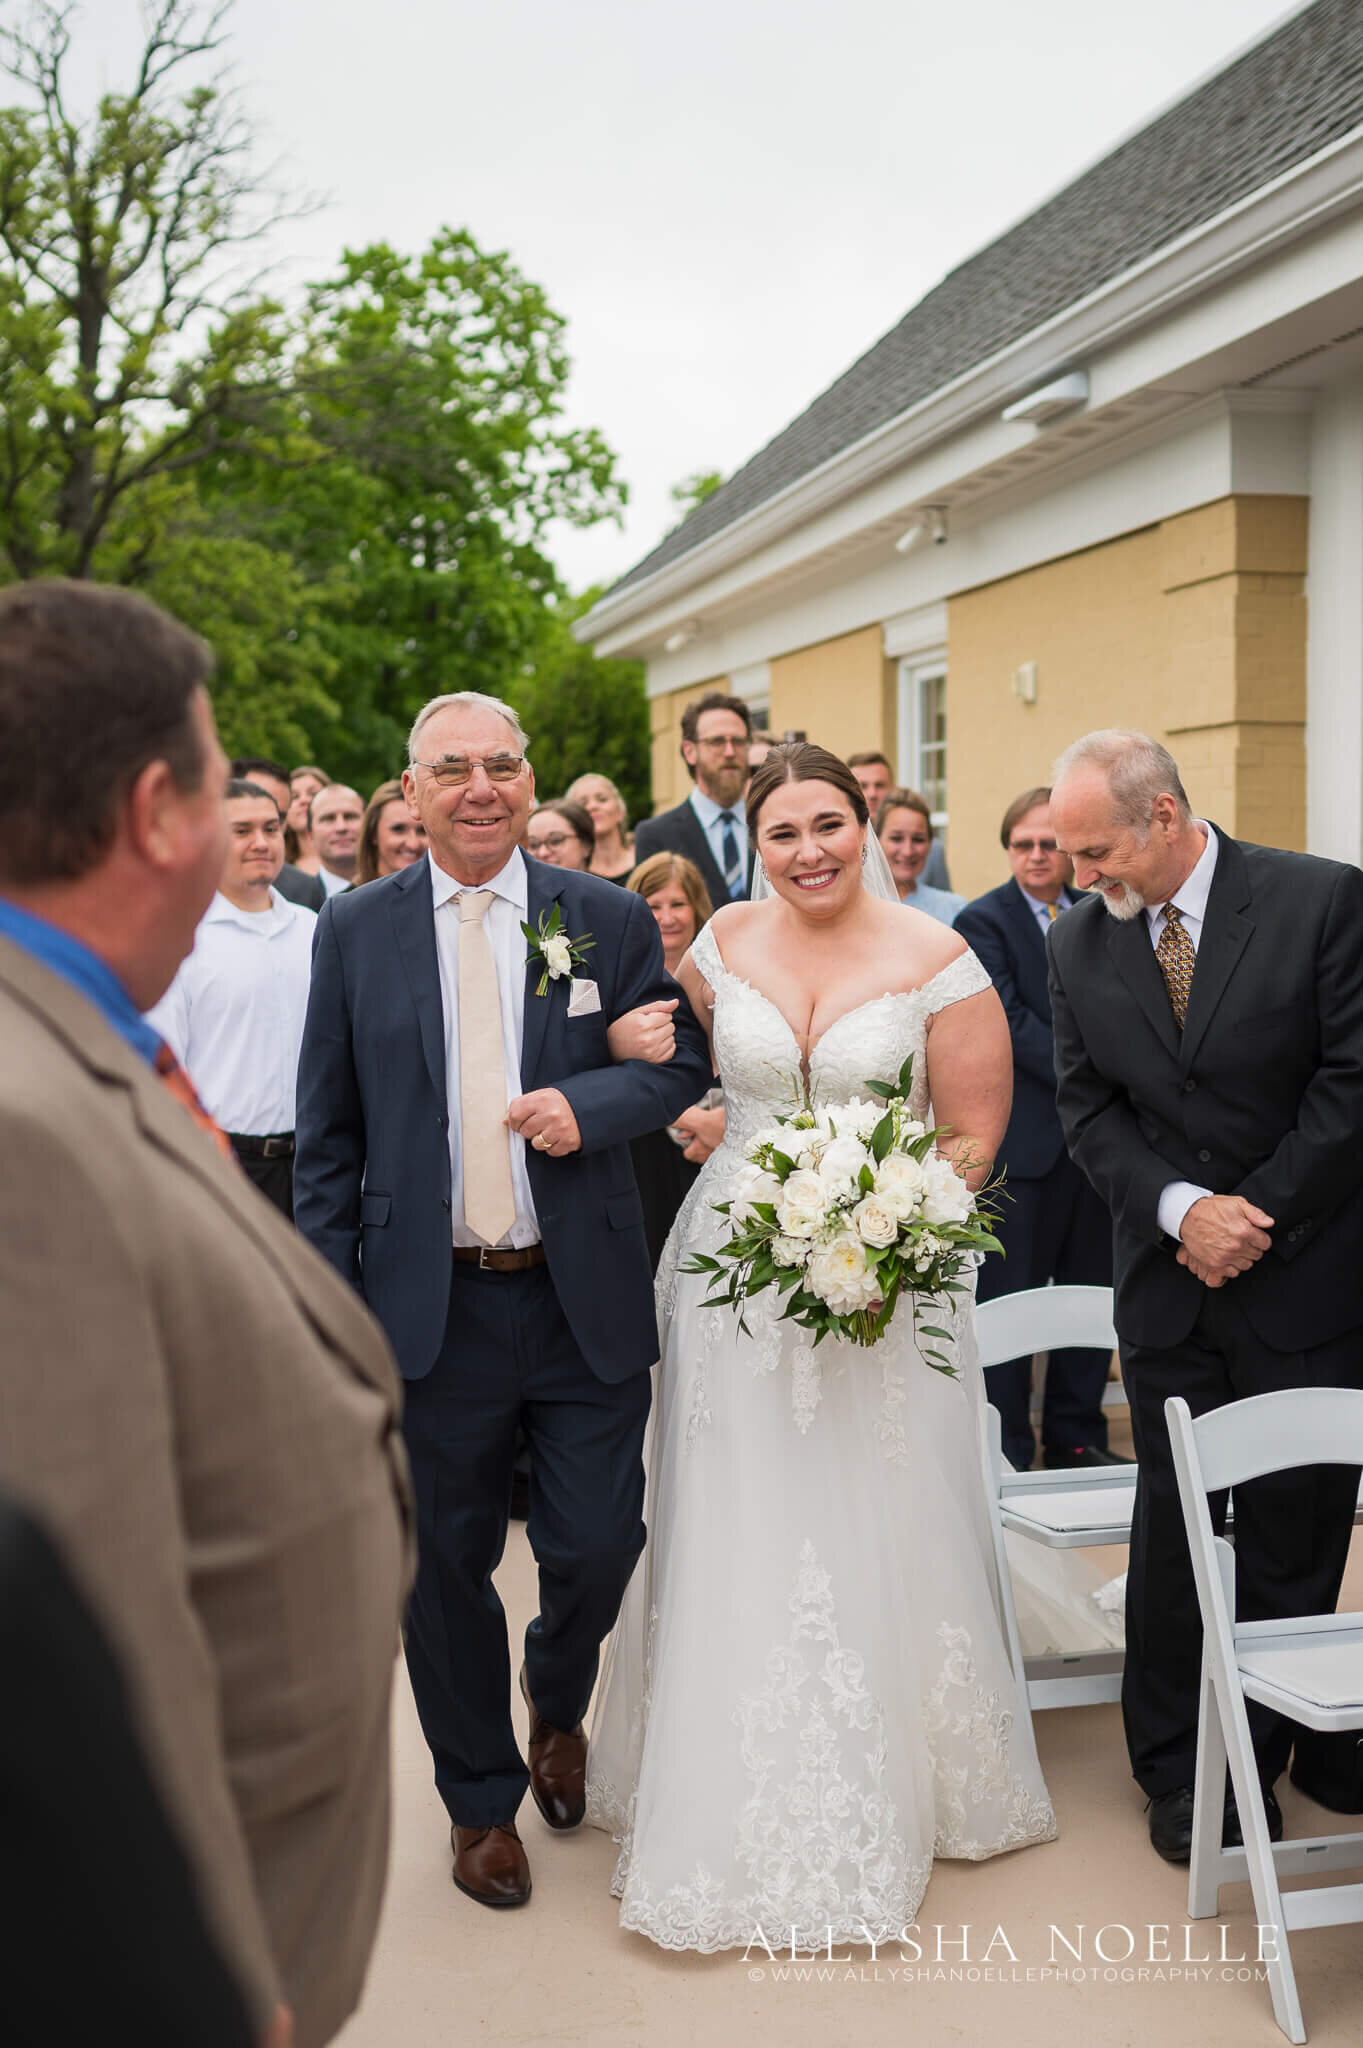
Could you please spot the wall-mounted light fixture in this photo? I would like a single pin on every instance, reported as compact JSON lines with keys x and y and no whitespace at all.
{"x":1060,"y":395}
{"x":688,"y":631}
{"x":929,"y":524}
{"x":1024,"y":682}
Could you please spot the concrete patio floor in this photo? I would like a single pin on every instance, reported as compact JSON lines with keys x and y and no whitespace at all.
{"x":560,"y":1971}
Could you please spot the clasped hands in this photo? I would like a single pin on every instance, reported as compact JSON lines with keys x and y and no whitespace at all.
{"x":545,"y":1119}
{"x":1223,"y":1235}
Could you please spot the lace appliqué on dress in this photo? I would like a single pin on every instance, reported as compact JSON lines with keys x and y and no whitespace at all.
{"x":968,"y":1731}
{"x":818,"y":1837}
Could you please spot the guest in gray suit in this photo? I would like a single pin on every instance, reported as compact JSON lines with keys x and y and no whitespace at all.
{"x":710,"y":828}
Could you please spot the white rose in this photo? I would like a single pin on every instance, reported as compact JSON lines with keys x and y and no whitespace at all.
{"x":839,"y":1275}
{"x":899,"y":1184}
{"x":946,"y":1198}
{"x":876,"y":1223}
{"x":842,"y":1161}
{"x":558,"y":955}
{"x":790,"y":1251}
{"x":861,"y":1117}
{"x":804,"y":1198}
{"x":751,"y":1185}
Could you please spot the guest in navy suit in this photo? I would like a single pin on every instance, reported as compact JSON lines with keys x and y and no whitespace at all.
{"x":711,"y":828}
{"x":463,"y":1159}
{"x":1054,"y":1226}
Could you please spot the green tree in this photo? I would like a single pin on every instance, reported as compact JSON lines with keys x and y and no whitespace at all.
{"x":585,"y":715}
{"x":693,"y":490}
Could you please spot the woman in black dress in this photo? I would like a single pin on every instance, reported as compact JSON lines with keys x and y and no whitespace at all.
{"x":667,"y":1161}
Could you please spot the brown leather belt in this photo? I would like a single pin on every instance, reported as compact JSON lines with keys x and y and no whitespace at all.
{"x":504,"y":1261}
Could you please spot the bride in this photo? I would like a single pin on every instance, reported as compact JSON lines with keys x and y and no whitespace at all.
{"x":808,"y":1694}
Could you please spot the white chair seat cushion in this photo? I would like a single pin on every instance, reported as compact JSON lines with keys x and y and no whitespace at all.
{"x":1327,"y":1674}
{"x":1098,"y":1507}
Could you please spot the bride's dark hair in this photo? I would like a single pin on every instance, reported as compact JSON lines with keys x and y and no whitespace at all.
{"x":802,"y":761}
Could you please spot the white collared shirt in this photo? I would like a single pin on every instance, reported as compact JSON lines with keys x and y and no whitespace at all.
{"x":502,"y":923}
{"x":233,"y":1016}
{"x":712,"y":819}
{"x":333,"y":884}
{"x":1190,"y":900}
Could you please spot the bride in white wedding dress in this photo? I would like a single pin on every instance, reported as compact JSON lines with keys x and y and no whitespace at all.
{"x":808,"y":1693}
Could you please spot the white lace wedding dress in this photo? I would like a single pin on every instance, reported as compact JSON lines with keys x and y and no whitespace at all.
{"x":808,"y":1694}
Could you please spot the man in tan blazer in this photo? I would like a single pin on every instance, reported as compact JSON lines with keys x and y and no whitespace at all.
{"x":198,"y":1408}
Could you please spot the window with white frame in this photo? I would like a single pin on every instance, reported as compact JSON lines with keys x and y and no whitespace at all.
{"x":923,"y":733}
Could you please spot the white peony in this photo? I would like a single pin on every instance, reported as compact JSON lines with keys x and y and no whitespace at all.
{"x":839,"y":1275}
{"x":841,"y":1162}
{"x":790,"y":1251}
{"x":751,"y":1185}
{"x":558,"y":955}
{"x":804,"y":1198}
{"x":946,"y":1198}
{"x":876,"y":1223}
{"x":861,"y":1117}
{"x":899,"y":1184}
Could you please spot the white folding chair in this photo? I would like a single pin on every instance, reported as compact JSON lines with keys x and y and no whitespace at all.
{"x":1062,"y":1510}
{"x":1309,"y":1667}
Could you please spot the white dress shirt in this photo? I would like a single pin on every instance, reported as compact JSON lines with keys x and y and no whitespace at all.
{"x":333,"y":884}
{"x":502,"y":923}
{"x":712,"y":819}
{"x":233,"y":1016}
{"x":1191,"y":902}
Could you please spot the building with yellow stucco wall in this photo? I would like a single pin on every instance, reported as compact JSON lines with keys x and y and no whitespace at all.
{"x":1109,"y":472}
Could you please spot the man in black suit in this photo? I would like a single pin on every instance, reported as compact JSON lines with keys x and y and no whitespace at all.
{"x":292,"y":883}
{"x":710,"y":827}
{"x":1055,"y":1227}
{"x":1208,"y":1007}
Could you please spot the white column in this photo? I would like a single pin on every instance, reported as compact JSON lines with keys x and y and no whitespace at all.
{"x":1334,"y":659}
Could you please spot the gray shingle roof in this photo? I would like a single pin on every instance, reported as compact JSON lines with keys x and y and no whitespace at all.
{"x":1279,"y":103}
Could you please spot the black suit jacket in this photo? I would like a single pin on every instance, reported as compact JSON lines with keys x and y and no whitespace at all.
{"x":1002,"y":929}
{"x":295,"y":886}
{"x":680,"y":831}
{"x":372,"y":1168}
{"x":1261,"y":1095}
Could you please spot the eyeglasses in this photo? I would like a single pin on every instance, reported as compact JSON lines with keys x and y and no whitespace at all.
{"x":1031,"y":846}
{"x":554,"y":839}
{"x":453,"y":769}
{"x":725,"y":746}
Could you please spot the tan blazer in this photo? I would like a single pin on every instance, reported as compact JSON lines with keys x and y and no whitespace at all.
{"x":207,"y":1418}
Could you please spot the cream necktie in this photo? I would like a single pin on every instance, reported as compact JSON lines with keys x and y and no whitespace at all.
{"x":489,"y":1204}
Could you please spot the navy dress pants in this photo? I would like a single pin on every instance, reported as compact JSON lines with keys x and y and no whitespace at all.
{"x":1054,"y":1228}
{"x":508,"y":1359}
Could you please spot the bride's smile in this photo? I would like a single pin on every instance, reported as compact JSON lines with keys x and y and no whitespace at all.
{"x":811,"y":846}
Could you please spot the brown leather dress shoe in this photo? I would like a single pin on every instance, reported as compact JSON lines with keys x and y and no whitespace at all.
{"x":490,"y":1865}
{"x":558,"y":1768}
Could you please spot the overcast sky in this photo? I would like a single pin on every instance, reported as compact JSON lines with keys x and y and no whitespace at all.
{"x":729,"y":200}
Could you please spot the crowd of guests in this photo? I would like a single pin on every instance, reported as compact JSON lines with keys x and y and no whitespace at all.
{"x":234,"y":1014}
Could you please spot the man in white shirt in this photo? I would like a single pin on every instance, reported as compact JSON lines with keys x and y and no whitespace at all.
{"x":335,"y":820}
{"x":233,"y":1016}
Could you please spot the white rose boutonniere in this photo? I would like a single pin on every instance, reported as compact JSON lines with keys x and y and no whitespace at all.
{"x":553,"y":950}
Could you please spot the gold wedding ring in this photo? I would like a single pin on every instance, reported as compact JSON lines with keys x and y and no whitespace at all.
{"x":540,"y":1142}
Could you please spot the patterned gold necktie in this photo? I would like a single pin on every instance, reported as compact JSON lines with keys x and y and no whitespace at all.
{"x":489,"y":1202}
{"x":1051,"y":913}
{"x":1177,"y":960}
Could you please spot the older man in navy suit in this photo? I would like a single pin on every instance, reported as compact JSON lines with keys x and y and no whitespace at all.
{"x":1054,"y":1226}
{"x":463,"y":1158}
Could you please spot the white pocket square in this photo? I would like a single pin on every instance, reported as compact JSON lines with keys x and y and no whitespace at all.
{"x":584,"y":998}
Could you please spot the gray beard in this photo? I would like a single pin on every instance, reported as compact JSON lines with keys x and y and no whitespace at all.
{"x":1128,"y":905}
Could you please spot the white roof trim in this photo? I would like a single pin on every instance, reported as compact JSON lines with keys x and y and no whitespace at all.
{"x":1282,"y":211}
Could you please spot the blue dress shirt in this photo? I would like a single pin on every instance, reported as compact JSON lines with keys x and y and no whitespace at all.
{"x":712,"y":822}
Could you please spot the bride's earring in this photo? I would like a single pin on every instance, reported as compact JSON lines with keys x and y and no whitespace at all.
{"x":865,"y":851}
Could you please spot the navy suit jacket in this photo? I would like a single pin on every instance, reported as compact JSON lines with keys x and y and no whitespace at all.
{"x":1002,"y":929}
{"x":372,"y":1169}
{"x":680,"y":831}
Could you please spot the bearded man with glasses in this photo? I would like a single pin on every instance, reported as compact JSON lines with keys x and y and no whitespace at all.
{"x":710,"y":828}
{"x":466,"y":1099}
{"x":1054,"y":1226}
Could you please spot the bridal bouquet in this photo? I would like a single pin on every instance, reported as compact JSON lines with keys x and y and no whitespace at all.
{"x":845,"y":1208}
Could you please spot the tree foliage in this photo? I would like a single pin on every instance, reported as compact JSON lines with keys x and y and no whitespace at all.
{"x":349,"y":496}
{"x":585,"y":714}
